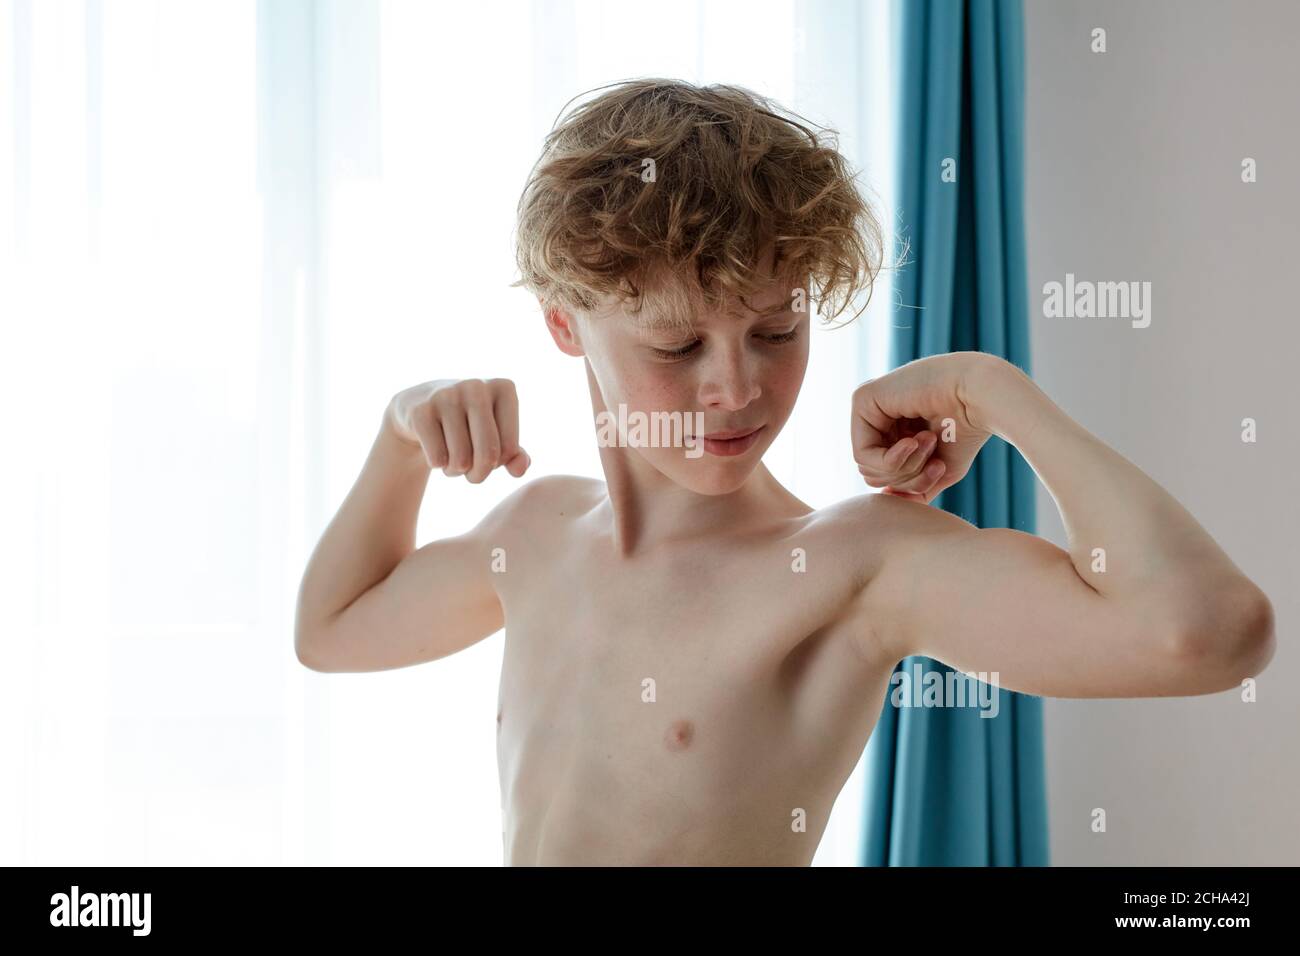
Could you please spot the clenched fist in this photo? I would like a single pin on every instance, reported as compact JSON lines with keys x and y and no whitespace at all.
{"x":465,"y":427}
{"x":913,"y":430}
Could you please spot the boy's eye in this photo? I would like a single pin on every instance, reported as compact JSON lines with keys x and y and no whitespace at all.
{"x":676,"y":353}
{"x":778,"y":338}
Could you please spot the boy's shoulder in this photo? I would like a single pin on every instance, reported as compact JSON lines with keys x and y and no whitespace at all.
{"x":880,"y":514}
{"x":848,"y":546}
{"x":538,"y":513}
{"x":561,"y":489}
{"x":861,"y":533}
{"x":859,"y":513}
{"x":551,"y":497}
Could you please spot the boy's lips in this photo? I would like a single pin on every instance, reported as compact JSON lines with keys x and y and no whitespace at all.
{"x":732,"y":433}
{"x":735,"y":441}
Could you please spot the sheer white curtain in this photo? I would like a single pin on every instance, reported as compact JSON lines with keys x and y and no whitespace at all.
{"x":229,"y":231}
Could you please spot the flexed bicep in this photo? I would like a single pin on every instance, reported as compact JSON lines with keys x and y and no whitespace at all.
{"x":1011,"y":606}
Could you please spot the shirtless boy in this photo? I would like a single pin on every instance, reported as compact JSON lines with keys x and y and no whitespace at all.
{"x":694,"y":658}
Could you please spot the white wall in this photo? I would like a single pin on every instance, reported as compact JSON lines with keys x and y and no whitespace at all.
{"x":1134,"y":173}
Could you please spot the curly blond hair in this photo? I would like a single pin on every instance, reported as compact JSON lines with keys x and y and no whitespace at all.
{"x":668,"y":195}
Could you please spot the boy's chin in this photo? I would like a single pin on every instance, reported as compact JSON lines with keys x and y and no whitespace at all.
{"x":709,"y":474}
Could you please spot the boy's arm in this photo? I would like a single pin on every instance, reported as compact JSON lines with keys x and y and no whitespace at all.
{"x":1170,"y":614}
{"x":369,"y":600}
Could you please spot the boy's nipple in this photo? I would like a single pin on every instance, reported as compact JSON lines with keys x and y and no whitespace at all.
{"x":679,"y":735}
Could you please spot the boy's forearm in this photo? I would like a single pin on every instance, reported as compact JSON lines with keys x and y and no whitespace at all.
{"x":1150,"y":545}
{"x":372,"y":532}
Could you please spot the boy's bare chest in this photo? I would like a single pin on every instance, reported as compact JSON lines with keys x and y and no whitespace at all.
{"x":689,"y":687}
{"x":731,"y":625}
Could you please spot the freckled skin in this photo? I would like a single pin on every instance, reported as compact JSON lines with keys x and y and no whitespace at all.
{"x":737,"y":380}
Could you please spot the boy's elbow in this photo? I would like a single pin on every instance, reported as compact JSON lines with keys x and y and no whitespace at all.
{"x":304,"y":654}
{"x":305,"y":658}
{"x":307,"y":648}
{"x":310,"y":633}
{"x":1235,"y":640}
{"x":1257,"y":642}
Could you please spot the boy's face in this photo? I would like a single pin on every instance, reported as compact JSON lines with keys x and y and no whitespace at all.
{"x":742,"y":369}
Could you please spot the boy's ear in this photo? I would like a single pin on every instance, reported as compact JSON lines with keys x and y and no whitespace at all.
{"x":564,"y":329}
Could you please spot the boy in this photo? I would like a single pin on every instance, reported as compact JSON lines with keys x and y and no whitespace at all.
{"x":694,"y":658}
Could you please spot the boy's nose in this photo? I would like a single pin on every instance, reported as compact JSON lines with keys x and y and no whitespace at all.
{"x":730,"y":383}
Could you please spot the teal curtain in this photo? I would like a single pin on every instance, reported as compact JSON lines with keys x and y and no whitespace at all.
{"x":946,"y":786}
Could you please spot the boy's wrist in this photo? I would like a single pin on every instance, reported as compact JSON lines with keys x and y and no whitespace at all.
{"x":1006,"y":401}
{"x":391,"y":441}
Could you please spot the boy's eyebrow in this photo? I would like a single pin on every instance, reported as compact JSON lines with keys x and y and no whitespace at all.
{"x":653,"y":323}
{"x":657,"y":324}
{"x":781,"y":308}
{"x":669,"y":332}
